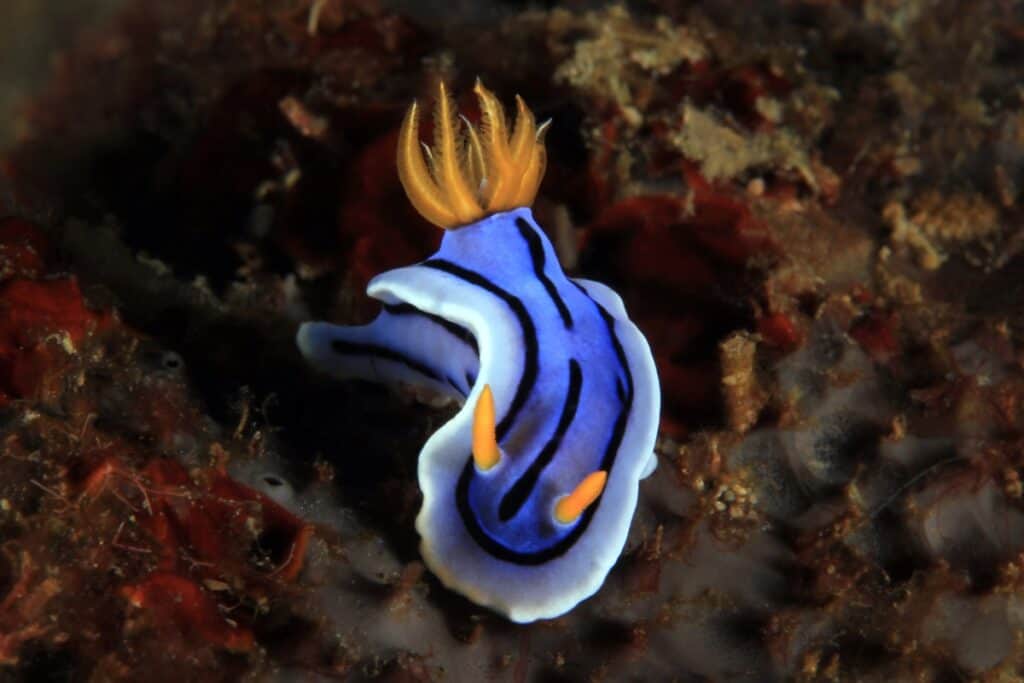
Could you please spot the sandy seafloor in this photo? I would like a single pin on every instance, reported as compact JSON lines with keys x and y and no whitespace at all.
{"x":812,"y":210}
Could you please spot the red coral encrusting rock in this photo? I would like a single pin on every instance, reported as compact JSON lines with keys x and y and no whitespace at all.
{"x":93,"y":510}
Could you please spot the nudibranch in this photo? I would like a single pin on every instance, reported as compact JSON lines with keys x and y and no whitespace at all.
{"x":529,"y":490}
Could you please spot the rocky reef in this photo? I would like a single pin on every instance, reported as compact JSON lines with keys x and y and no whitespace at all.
{"x":811,"y":208}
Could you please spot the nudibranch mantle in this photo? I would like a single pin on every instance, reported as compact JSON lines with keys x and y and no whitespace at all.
{"x":574,"y":390}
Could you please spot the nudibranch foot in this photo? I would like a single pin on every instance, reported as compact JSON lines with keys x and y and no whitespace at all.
{"x":529,"y":490}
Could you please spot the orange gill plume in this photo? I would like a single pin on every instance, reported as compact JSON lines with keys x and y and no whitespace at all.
{"x":469,"y":174}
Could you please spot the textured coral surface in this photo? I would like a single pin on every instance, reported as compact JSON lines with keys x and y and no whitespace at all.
{"x":811,"y":208}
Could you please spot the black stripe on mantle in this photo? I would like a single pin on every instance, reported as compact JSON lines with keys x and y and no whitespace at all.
{"x":536,"y":248}
{"x":513,"y":500}
{"x":455,"y":330}
{"x":530,"y":344}
{"x":538,"y":557}
{"x":348,"y":348}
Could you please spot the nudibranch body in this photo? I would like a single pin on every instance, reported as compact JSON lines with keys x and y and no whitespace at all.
{"x":529,"y":490}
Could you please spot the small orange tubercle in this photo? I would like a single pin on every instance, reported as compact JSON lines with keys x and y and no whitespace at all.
{"x":471,"y":174}
{"x":570,"y":507}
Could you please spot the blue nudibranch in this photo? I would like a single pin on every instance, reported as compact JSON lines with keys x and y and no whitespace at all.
{"x":529,"y":490}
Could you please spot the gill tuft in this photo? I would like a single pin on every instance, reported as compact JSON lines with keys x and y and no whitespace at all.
{"x":468,"y":174}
